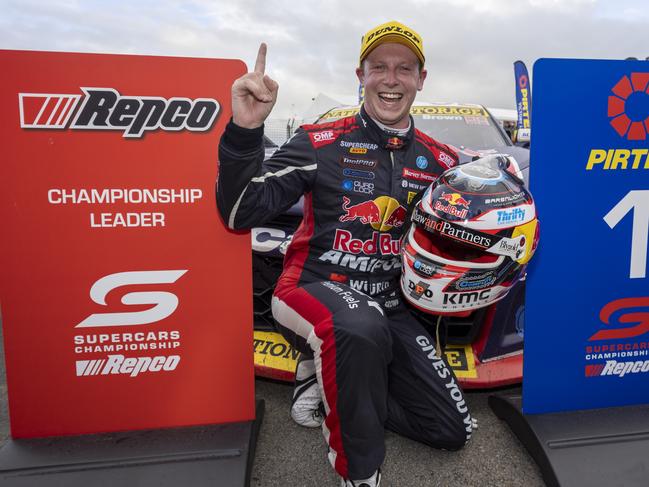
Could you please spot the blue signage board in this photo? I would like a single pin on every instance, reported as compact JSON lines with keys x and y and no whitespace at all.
{"x":587,"y":304}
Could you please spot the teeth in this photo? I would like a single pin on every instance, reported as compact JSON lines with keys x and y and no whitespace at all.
{"x":391,"y":96}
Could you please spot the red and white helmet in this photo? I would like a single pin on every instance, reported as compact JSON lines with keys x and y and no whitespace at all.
{"x":471,"y":236}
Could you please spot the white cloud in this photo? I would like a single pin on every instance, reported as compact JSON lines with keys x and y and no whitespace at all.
{"x":313,"y":46}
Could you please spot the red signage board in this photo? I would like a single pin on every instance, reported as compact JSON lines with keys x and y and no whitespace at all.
{"x":125,"y":302}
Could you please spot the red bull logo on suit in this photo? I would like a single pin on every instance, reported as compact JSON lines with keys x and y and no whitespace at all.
{"x":382,"y":213}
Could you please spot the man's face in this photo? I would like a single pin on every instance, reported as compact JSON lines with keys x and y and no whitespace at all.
{"x":391,"y":77}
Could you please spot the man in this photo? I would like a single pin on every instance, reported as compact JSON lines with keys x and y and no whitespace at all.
{"x":337,"y":300}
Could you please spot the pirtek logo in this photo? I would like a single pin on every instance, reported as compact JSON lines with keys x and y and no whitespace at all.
{"x":106,"y":109}
{"x":628,"y":109}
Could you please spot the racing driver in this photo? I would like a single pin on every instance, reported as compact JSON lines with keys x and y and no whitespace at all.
{"x":337,"y":301}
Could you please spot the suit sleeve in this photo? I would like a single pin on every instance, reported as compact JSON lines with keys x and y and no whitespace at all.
{"x":251,"y":191}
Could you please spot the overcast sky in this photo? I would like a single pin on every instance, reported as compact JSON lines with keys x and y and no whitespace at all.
{"x":470,"y":45}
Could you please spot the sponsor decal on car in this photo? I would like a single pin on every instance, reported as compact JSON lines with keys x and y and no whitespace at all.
{"x":107,"y":109}
{"x":461,"y":360}
{"x":358,"y":147}
{"x":272,"y":351}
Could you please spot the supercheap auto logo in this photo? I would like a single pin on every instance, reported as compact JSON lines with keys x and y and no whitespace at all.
{"x":628,"y":106}
{"x":107,"y":109}
{"x":382,"y":213}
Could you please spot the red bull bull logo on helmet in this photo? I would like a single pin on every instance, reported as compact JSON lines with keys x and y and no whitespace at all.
{"x":454,"y":201}
{"x":382,"y":213}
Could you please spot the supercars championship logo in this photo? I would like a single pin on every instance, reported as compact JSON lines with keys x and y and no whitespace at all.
{"x":106,"y":109}
{"x":111,"y":344}
{"x":624,"y":345}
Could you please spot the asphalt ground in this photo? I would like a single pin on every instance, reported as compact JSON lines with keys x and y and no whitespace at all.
{"x":290,"y":455}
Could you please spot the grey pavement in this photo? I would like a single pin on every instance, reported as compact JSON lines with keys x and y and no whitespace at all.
{"x":289,"y":455}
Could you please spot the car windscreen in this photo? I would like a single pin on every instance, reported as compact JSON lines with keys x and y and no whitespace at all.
{"x":473,"y":132}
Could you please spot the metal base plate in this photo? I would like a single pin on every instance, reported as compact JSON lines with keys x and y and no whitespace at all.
{"x":598,"y":447}
{"x":198,"y":456}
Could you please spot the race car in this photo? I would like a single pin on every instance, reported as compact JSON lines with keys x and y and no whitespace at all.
{"x":484,"y":349}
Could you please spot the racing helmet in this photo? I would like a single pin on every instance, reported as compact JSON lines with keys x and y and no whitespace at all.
{"x":470,"y":238}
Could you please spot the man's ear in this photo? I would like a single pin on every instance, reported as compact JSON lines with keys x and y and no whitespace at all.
{"x":360,"y":74}
{"x":422,"y":77}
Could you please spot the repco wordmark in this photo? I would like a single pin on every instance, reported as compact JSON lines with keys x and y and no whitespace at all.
{"x":106,"y":109}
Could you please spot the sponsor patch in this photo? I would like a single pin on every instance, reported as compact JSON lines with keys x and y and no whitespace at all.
{"x":446,"y":160}
{"x":358,"y":163}
{"x":358,"y":147}
{"x":324,"y":137}
{"x":418,"y":175}
{"x":357,"y":173}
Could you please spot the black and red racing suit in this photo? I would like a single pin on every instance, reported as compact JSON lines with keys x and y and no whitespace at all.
{"x":338,"y":297}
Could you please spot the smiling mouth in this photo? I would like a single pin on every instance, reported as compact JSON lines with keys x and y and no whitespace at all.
{"x":390,"y":97}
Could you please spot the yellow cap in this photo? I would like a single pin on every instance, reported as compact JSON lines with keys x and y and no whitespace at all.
{"x":392,"y":31}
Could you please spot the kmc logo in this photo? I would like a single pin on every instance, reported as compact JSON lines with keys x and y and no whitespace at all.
{"x":628,"y":108}
{"x":631,"y":316}
{"x":165,"y":302}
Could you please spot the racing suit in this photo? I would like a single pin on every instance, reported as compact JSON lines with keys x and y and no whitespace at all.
{"x":338,"y":297}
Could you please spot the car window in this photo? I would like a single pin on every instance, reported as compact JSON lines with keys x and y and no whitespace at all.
{"x":473,"y":132}
{"x":460,"y":126}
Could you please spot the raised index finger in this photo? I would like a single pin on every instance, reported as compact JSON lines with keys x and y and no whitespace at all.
{"x":260,"y":63}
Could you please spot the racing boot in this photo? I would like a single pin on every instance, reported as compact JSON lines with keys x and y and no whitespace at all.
{"x":307,"y":408}
{"x":373,"y":481}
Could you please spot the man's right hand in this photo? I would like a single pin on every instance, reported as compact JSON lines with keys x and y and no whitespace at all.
{"x":254,"y":95}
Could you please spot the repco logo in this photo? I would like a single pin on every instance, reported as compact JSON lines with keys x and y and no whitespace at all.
{"x":106,"y":109}
{"x":165,"y":303}
{"x":631,"y":316}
